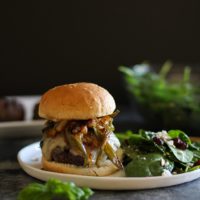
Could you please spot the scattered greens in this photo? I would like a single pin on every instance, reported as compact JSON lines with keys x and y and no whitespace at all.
{"x":159,"y":153}
{"x":54,"y":189}
{"x":162,"y":97}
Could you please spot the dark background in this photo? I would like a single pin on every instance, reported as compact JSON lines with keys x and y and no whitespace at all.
{"x":47,"y":43}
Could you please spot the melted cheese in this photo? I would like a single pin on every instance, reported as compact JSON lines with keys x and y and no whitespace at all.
{"x":51,"y":143}
{"x":113,"y":141}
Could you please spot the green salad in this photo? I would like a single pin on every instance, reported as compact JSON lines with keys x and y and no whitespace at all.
{"x":162,"y":97}
{"x":159,"y":153}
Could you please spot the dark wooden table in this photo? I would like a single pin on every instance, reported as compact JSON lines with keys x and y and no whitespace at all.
{"x":13,"y":179}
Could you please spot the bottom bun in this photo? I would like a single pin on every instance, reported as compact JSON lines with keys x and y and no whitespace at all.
{"x":107,"y":169}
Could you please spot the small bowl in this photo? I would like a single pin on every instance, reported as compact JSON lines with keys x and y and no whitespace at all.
{"x":161,"y":106}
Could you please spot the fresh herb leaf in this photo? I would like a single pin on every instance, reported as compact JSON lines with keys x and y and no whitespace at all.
{"x":53,"y":189}
{"x":196,"y":154}
{"x":148,"y":165}
{"x":195,"y":146}
{"x":130,"y":137}
{"x":179,"y":134}
{"x":147,"y":134}
{"x":194,"y":168}
{"x":184,"y":156}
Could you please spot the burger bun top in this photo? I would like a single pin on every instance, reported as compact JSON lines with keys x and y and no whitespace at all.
{"x":79,"y":101}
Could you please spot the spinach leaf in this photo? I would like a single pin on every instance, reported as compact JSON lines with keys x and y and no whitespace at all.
{"x":195,"y":146}
{"x":147,"y":134}
{"x":148,"y":165}
{"x":184,"y":156}
{"x":196,"y":154}
{"x":179,"y":134}
{"x":194,"y":168}
{"x":129,"y":136}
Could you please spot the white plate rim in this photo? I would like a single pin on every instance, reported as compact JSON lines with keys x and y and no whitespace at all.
{"x":108,"y":182}
{"x":21,"y":124}
{"x":18,"y":129}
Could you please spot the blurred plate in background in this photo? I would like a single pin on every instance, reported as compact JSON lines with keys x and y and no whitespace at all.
{"x":27,"y":127}
{"x":28,"y":103}
{"x":21,"y":129}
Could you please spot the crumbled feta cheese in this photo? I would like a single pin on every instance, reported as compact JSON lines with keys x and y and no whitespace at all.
{"x":166,"y":163}
{"x":166,"y":173}
{"x":171,"y":142}
{"x":163,"y":135}
{"x":162,"y":162}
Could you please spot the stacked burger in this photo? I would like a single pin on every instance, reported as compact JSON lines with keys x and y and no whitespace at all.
{"x":78,"y":136}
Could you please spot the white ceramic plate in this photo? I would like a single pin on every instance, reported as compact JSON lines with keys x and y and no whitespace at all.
{"x":21,"y":128}
{"x":30,"y":160}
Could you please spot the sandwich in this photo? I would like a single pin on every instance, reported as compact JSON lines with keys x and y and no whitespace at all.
{"x":78,"y":136}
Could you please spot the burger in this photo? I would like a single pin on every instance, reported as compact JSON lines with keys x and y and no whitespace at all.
{"x":78,"y":135}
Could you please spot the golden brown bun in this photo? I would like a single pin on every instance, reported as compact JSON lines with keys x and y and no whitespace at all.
{"x":105,"y":170}
{"x":76,"y":101}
